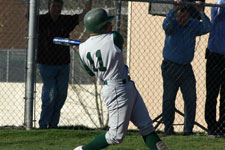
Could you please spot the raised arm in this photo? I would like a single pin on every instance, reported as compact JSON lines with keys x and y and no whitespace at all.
{"x":177,"y":4}
{"x":205,"y":25}
{"x":87,"y":7}
{"x":169,"y":22}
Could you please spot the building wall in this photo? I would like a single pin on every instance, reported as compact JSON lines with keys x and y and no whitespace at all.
{"x":13,"y":24}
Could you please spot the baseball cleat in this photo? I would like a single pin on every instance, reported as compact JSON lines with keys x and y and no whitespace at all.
{"x":79,"y":148}
{"x":161,"y":146}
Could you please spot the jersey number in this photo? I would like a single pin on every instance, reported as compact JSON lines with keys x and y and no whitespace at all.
{"x":99,"y":56}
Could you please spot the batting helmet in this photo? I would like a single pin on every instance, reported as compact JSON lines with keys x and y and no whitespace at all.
{"x":95,"y":19}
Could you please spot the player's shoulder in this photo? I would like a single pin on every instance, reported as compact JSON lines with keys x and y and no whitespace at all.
{"x":83,"y":46}
{"x":117,"y":35}
{"x":118,"y":39}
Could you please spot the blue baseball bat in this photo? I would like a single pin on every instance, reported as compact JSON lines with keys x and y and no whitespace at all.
{"x":65,"y":41}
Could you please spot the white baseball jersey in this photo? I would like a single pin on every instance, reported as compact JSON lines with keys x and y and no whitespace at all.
{"x":103,"y":58}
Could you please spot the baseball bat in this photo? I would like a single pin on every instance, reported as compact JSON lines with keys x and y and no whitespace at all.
{"x":65,"y":41}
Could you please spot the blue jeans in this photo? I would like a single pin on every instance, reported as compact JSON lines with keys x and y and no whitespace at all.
{"x":177,"y":76}
{"x":54,"y":92}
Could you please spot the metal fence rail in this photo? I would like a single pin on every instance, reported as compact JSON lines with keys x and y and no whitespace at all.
{"x":172,"y":2}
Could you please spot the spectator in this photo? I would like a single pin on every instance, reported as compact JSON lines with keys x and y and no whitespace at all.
{"x":102,"y":57}
{"x":215,"y":72}
{"x":181,"y":30}
{"x":53,"y":60}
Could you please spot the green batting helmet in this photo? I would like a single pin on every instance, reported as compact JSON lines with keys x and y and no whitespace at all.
{"x":95,"y":19}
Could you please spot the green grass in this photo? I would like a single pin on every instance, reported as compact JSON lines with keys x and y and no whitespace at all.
{"x":67,"y":139}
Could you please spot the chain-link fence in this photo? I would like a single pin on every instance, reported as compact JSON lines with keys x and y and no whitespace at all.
{"x":146,"y":40}
{"x":83,"y":105}
{"x":141,"y":26}
{"x":13,"y":31}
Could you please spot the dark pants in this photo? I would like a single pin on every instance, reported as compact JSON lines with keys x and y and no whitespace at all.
{"x":215,"y":85}
{"x":54,"y":92}
{"x":177,"y":76}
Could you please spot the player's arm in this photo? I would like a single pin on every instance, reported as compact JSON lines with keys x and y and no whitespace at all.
{"x":169,"y":22}
{"x":86,"y":67}
{"x":118,"y":39}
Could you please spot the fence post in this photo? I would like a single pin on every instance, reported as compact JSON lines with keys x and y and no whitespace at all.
{"x":118,"y":13}
{"x":29,"y":91}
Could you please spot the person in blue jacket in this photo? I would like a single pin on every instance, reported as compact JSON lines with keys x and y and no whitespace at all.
{"x":215,"y":73}
{"x":181,"y":30}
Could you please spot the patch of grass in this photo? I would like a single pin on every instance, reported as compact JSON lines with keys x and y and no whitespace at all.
{"x":67,"y":139}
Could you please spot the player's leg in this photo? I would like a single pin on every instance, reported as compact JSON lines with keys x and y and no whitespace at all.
{"x":140,"y":118}
{"x":170,"y":74}
{"x":48,"y":93}
{"x":119,"y":107}
{"x":99,"y":142}
{"x":62,"y":81}
{"x":188,"y":89}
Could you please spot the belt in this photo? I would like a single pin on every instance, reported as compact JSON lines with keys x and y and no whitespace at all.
{"x":124,"y":81}
{"x":170,"y":62}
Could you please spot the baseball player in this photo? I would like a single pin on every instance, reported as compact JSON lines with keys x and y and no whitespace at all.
{"x":102,"y":57}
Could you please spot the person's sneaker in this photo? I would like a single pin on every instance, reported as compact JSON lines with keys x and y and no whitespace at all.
{"x":79,"y":148}
{"x":161,"y":146}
